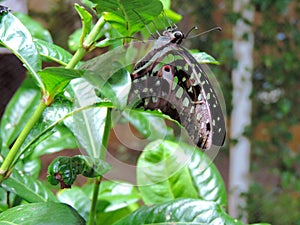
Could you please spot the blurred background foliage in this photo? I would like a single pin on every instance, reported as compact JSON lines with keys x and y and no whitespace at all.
{"x":274,"y":196}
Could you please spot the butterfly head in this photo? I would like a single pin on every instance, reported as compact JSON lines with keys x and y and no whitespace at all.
{"x":174,"y":36}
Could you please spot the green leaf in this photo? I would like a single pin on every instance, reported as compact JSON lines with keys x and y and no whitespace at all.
{"x":86,"y":19}
{"x":117,"y":194}
{"x":53,"y":52}
{"x":180,"y":211}
{"x":27,"y":187}
{"x":57,"y":78}
{"x":18,"y":111}
{"x":203,"y":57}
{"x":150,"y":125}
{"x":87,"y":125}
{"x":15,"y":36}
{"x":113,"y":196}
{"x":41,"y":214}
{"x":76,"y":198}
{"x":61,"y":139}
{"x":35,"y":28}
{"x":167,"y":170}
{"x":128,"y":16}
{"x":107,"y":74}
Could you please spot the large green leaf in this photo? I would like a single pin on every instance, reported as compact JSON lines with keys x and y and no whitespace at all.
{"x":41,"y":214}
{"x":87,"y":125}
{"x":180,"y":211}
{"x":53,"y":52}
{"x":15,"y":36}
{"x":18,"y":111}
{"x":167,"y":170}
{"x":61,"y":139}
{"x":27,"y":187}
{"x":35,"y":28}
{"x":128,"y":16}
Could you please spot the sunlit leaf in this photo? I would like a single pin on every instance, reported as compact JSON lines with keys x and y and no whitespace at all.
{"x":180,"y":211}
{"x":168,"y":170}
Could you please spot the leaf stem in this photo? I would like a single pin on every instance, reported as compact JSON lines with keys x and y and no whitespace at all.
{"x":5,"y":168}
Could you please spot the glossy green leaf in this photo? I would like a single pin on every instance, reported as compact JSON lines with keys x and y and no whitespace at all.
{"x":167,"y":170}
{"x":15,"y":36}
{"x":53,"y":52}
{"x":76,"y":198}
{"x":180,"y":211}
{"x":27,"y":187}
{"x":56,"y":78}
{"x":41,"y":214}
{"x":49,"y":134}
{"x":128,"y":16}
{"x":35,"y":28}
{"x":18,"y":111}
{"x":87,"y":125}
{"x":203,"y":57}
{"x":61,"y":139}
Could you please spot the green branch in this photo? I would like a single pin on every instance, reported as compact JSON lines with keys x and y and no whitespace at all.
{"x":6,"y":168}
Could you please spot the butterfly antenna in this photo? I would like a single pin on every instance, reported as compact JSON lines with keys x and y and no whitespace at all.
{"x":146,"y":26}
{"x":205,"y":32}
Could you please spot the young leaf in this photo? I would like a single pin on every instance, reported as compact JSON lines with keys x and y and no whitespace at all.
{"x":53,"y":52}
{"x":86,"y":19}
{"x":15,"y":36}
{"x":27,"y":187}
{"x":167,"y":170}
{"x":128,"y":16}
{"x":180,"y":211}
{"x":18,"y":111}
{"x":64,"y":169}
{"x":40,"y":214}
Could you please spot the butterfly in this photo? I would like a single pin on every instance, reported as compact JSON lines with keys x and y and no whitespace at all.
{"x":168,"y":78}
{"x":4,"y":9}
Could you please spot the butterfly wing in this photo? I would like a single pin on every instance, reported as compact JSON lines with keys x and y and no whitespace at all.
{"x":169,"y":78}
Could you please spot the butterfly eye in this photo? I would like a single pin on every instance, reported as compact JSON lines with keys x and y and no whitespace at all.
{"x":178,"y":35}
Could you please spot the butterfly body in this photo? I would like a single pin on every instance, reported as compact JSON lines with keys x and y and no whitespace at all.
{"x":169,"y":78}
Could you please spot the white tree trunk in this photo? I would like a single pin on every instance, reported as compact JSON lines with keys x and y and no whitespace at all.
{"x":243,"y":41}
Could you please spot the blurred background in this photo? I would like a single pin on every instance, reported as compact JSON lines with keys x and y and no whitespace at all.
{"x":274,"y":131}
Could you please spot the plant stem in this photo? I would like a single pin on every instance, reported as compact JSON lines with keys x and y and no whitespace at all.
{"x":93,"y":209}
{"x":97,"y":183}
{"x":88,"y":42}
{"x":5,"y":168}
